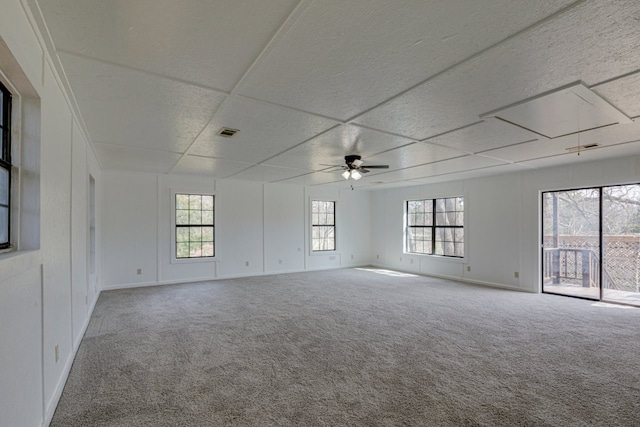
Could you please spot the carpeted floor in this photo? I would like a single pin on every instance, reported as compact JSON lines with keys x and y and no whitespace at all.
{"x":352,"y":347}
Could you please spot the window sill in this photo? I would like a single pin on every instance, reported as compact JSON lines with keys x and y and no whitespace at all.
{"x":438,"y":257}
{"x":194,"y":260}
{"x":321,"y":253}
{"x":14,"y":262}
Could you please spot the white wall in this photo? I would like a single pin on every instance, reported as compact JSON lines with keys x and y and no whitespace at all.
{"x":46,"y":297}
{"x":501,"y":221}
{"x":260,"y":229}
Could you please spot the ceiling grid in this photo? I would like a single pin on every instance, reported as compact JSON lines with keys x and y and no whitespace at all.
{"x":308,"y":82}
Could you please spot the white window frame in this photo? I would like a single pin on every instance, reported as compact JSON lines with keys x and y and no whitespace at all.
{"x":335,"y":227}
{"x":172,"y":203}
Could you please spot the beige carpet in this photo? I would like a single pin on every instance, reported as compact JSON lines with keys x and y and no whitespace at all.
{"x":352,"y":347}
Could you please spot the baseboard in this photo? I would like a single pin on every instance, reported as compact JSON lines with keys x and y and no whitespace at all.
{"x":62,"y":381}
{"x":213,"y":278}
{"x":459,"y":279}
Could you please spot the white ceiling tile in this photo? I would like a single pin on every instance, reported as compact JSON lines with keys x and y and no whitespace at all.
{"x":265,"y":131}
{"x":476,"y":173}
{"x":609,"y":135}
{"x":315,"y":178}
{"x":210,"y":43}
{"x":590,"y":43}
{"x":330,"y":148}
{"x":121,"y":106}
{"x":216,"y":168}
{"x":415,"y":154}
{"x":343,"y":57}
{"x":623,"y":93}
{"x":611,"y":151}
{"x":135,"y":159}
{"x":445,"y":167}
{"x":483,"y":136}
{"x":269,"y":173}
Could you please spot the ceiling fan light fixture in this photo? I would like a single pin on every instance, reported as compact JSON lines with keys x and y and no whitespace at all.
{"x":357,"y":163}
{"x":346,"y":174}
{"x":355,"y":175}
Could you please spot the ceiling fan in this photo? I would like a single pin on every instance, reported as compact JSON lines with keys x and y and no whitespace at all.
{"x":355,"y":167}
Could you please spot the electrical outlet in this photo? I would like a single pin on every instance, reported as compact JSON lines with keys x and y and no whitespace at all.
{"x":411,"y":260}
{"x":56,"y":350}
{"x":400,"y":259}
{"x":378,"y":256}
{"x":246,"y":263}
{"x":139,"y":271}
{"x":351,"y":256}
{"x":468,"y":268}
{"x":279,"y":261}
{"x":516,"y":274}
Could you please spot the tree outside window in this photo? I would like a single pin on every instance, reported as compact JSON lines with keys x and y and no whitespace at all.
{"x":195,"y":228}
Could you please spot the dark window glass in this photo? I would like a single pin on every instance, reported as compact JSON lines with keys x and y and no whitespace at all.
{"x":435,"y":226}
{"x":5,"y":167}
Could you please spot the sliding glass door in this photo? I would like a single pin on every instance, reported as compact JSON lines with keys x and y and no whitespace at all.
{"x":591,"y":243}
{"x":571,"y":242}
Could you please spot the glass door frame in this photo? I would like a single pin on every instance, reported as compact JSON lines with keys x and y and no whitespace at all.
{"x":600,"y":242}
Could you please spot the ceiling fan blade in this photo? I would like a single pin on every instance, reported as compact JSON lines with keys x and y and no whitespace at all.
{"x":361,"y":169}
{"x":375,"y":166}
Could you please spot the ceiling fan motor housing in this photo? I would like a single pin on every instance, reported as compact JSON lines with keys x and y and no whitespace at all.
{"x":350,"y":159}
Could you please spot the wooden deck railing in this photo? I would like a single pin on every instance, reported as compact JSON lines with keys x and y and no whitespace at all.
{"x":578,"y":266}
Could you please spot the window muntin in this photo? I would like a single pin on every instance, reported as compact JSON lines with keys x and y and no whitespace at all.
{"x":195,"y":225}
{"x":435,"y":226}
{"x":5,"y":167}
{"x":323,"y":226}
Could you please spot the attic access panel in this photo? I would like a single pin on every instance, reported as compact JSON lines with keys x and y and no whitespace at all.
{"x":565,"y":111}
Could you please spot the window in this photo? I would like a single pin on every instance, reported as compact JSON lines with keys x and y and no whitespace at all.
{"x":195,"y":236}
{"x":323,"y":226}
{"x":5,"y":166}
{"x":435,"y":226}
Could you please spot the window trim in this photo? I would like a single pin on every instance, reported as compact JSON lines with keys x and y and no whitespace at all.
{"x":5,"y":157}
{"x":173,"y":251}
{"x":311,"y":226}
{"x":433,"y":227}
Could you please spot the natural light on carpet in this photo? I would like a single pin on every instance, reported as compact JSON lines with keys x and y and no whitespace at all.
{"x":387,"y":272}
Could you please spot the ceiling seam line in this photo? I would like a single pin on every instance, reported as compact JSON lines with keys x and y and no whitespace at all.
{"x":399,"y":135}
{"x":286,"y":26}
{"x":263,"y":101}
{"x":438,"y":135}
{"x":613,"y":79}
{"x":142,"y":71}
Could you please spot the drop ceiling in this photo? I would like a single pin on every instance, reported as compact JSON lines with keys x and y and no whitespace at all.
{"x":438,"y":90}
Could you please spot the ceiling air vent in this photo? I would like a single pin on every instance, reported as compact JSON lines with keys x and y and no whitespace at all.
{"x":227,"y":132}
{"x":578,"y":148}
